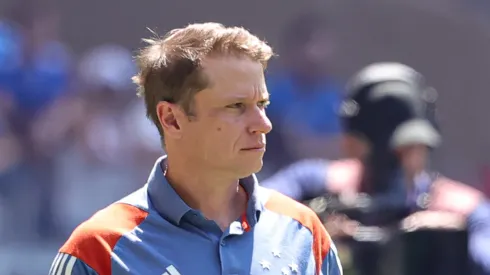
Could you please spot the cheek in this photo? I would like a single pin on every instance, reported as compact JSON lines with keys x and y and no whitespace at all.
{"x":224,"y":132}
{"x":225,"y":135}
{"x":224,"y":124}
{"x":217,"y":133}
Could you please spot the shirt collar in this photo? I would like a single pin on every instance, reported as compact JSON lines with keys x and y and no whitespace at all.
{"x":169,"y":204}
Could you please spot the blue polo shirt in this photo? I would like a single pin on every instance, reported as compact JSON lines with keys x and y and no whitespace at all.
{"x":153,"y":231}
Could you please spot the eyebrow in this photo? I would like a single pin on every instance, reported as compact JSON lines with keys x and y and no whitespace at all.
{"x":264,"y":97}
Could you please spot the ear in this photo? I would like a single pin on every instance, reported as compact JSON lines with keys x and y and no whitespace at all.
{"x":170,"y":116}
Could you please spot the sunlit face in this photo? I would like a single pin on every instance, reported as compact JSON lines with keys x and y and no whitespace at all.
{"x":229,"y":130}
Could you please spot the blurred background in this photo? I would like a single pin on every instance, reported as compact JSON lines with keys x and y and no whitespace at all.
{"x":74,"y":137}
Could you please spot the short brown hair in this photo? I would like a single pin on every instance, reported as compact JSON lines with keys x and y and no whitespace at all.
{"x":170,"y":66}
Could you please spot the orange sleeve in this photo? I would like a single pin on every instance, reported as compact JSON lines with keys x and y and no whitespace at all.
{"x":93,"y":241}
{"x":305,"y":216}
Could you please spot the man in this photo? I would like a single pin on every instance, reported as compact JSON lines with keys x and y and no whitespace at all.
{"x":202,"y":210}
{"x":389,"y":125}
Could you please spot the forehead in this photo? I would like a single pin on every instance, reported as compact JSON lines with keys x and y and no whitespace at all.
{"x":235,"y":76}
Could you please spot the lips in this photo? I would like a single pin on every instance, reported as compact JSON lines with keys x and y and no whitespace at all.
{"x":254,"y":147}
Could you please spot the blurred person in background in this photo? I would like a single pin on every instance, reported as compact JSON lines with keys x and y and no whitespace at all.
{"x":35,"y":76}
{"x":112,"y":143}
{"x":10,"y":159}
{"x":305,"y":94}
{"x":389,"y":128}
{"x":204,"y":89}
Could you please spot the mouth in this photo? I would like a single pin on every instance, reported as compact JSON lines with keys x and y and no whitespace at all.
{"x":255,"y":148}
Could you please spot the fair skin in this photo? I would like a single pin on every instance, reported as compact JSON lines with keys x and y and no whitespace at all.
{"x":224,"y":142}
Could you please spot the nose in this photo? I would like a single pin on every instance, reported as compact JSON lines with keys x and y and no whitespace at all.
{"x":260,"y":123}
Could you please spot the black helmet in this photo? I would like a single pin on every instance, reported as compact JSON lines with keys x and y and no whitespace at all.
{"x":390,"y":105}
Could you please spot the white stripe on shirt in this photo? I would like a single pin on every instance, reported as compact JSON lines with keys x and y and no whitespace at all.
{"x":70,"y":265}
{"x":59,"y":269}
{"x":54,"y":264}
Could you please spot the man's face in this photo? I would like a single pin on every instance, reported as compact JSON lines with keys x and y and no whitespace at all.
{"x":228,"y":132}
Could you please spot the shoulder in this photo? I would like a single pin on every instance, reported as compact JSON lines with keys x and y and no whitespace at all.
{"x":299,"y":212}
{"x":284,"y":205}
{"x":68,"y":264}
{"x":93,"y":240}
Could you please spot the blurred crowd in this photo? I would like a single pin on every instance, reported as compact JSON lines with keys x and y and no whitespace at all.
{"x":74,"y":136}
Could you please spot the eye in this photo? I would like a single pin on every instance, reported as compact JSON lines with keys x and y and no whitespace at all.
{"x":237,"y":105}
{"x":263,"y":104}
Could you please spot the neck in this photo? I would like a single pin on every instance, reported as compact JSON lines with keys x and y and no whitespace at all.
{"x":218,"y":197}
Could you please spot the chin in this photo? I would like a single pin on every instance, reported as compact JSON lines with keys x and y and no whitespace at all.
{"x":249,"y":168}
{"x":258,"y":167}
